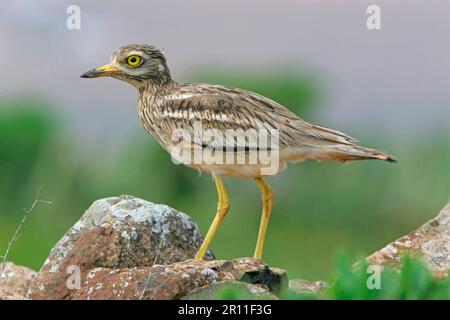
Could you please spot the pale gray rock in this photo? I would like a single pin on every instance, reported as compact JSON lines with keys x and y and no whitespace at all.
{"x":300,"y":286}
{"x":430,"y":242}
{"x":231,"y":289}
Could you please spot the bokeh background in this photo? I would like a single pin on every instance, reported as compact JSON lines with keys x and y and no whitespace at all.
{"x":81,"y":139}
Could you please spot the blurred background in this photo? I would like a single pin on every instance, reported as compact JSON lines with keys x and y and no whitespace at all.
{"x":82,"y":139}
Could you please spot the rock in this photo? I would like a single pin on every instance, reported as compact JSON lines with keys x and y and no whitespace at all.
{"x":431,"y":242}
{"x":7,"y":295}
{"x":179,"y":279}
{"x":300,"y":286}
{"x":117,"y":233}
{"x":14,"y":281}
{"x":231,"y":289}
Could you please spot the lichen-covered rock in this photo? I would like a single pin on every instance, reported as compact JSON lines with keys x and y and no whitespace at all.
{"x":178,"y":279}
{"x":117,"y":233}
{"x":431,"y":242}
{"x":14,"y":281}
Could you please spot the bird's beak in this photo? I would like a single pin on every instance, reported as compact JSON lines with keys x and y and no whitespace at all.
{"x":104,"y":71}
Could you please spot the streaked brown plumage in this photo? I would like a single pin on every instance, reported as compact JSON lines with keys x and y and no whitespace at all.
{"x":165,"y":105}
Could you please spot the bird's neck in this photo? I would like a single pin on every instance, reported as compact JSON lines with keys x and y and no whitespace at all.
{"x":160,"y":79}
{"x":152,"y":88}
{"x":155,"y":82}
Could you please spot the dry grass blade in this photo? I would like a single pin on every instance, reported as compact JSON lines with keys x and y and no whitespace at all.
{"x":19,"y":227}
{"x":149,"y":275}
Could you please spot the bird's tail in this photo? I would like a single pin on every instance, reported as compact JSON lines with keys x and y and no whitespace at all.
{"x":344,"y":152}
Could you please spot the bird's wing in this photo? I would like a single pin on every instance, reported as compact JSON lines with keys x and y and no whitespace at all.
{"x":220,"y":108}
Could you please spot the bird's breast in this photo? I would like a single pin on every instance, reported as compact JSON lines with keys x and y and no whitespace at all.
{"x":148,"y":111}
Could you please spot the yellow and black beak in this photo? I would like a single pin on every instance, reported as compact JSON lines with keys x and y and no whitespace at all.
{"x":104,"y":71}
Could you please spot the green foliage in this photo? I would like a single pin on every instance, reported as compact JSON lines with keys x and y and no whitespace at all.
{"x":293,"y":295}
{"x":414,"y":281}
{"x":25,"y":130}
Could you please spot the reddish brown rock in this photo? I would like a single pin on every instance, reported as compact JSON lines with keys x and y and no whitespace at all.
{"x":14,"y":281}
{"x":431,"y":242}
{"x":178,"y":279}
{"x":117,"y":233}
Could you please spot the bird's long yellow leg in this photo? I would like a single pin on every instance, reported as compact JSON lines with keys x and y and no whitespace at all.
{"x":267,"y":201}
{"x":222,"y":208}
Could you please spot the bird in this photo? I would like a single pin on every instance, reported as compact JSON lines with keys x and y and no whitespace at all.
{"x":166,"y":106}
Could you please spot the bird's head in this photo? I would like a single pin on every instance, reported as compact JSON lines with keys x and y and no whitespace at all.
{"x":136,"y":64}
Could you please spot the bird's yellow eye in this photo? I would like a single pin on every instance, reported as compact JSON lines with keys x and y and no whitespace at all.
{"x":134,"y":60}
